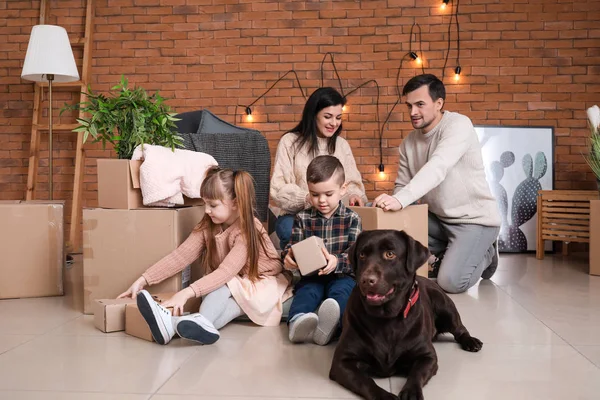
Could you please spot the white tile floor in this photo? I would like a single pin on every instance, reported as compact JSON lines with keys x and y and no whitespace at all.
{"x":539,"y":321}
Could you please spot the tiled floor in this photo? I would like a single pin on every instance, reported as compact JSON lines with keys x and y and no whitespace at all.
{"x":539,"y":321}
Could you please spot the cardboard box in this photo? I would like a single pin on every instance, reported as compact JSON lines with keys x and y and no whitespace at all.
{"x":119,"y":185}
{"x":595,"y":237}
{"x":309,"y":255}
{"x":135,"y":324}
{"x":119,"y":245}
{"x":31,"y":248}
{"x":109,"y":314}
{"x":413,"y":220}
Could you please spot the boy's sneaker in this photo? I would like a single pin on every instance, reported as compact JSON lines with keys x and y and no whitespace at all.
{"x":329,"y":319}
{"x":197,"y":328}
{"x":434,"y":266}
{"x":491,"y":269}
{"x":158,"y":318}
{"x":303,"y":328}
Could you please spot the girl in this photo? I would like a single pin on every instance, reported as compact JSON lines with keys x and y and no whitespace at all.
{"x":243,"y":273}
{"x":316,"y":134}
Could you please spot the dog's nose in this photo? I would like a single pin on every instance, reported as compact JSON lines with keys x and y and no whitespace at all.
{"x":370,"y":280}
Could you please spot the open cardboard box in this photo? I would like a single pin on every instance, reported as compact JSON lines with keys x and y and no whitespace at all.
{"x":412,"y":219}
{"x":119,"y":185}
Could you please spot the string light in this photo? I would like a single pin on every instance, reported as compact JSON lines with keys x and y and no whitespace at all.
{"x":457,"y":73}
{"x":249,"y":117}
{"x":415,"y":57}
{"x":445,"y":3}
{"x":344,"y":107}
{"x":381,"y":171}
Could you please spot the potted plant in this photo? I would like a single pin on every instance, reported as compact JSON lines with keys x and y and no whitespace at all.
{"x":127,"y":118}
{"x":593,"y":157}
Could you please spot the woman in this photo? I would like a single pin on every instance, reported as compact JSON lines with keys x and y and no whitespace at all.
{"x":317,"y":134}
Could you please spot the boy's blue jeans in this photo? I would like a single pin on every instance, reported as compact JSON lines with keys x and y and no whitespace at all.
{"x":310,"y":291}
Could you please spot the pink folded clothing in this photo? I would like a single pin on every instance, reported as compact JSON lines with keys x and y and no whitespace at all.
{"x":166,"y":175}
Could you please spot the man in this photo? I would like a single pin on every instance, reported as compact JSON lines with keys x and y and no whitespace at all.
{"x":441,"y":165}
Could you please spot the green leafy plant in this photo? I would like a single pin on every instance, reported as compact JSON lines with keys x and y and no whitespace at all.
{"x":593,"y":157}
{"x":127,"y":118}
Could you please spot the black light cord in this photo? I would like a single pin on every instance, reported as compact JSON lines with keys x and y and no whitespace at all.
{"x":453,"y":17}
{"x":420,"y":43}
{"x":448,"y":42}
{"x":334,"y":69}
{"x":457,"y":35}
{"x":248,"y":109}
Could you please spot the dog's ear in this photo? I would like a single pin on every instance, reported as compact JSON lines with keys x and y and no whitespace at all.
{"x":352,"y":253}
{"x":416,"y":253}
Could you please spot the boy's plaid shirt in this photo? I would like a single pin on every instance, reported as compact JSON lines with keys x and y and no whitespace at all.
{"x":339,"y":232}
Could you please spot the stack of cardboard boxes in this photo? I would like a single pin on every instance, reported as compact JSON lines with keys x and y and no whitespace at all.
{"x":122,"y":238}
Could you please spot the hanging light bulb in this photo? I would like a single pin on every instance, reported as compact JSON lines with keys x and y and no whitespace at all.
{"x":381,"y":171}
{"x":415,"y":57}
{"x":249,"y":114}
{"x":457,"y":73}
{"x":344,"y":107}
{"x":445,"y":3}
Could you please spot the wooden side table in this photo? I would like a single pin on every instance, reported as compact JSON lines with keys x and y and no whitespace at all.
{"x":595,"y":237}
{"x":563,"y":216}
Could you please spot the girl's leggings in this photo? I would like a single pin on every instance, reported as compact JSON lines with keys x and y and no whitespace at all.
{"x":219,"y":307}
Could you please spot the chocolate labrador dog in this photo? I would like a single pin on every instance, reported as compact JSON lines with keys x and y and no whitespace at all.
{"x":392,"y":317}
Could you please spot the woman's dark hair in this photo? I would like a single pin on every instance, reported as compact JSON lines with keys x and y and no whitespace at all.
{"x":307,"y":128}
{"x":436,"y":87}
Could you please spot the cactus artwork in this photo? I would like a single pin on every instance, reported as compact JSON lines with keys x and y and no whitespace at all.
{"x":517,"y":168}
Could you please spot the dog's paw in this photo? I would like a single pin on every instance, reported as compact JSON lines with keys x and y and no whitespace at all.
{"x":411,"y":393}
{"x":470,"y":343}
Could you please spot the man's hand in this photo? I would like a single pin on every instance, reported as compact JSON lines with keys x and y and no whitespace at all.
{"x":356,"y":201}
{"x":387,"y":202}
{"x":289,"y":262}
{"x":331,"y":263}
{"x":178,"y":300}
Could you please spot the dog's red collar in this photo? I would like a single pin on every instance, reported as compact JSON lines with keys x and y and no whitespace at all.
{"x":414,"y":296}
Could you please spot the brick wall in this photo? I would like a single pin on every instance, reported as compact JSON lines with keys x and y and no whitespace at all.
{"x":524,"y":62}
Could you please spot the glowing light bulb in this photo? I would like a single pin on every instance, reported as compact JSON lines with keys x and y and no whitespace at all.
{"x":249,"y":118}
{"x":381,"y":171}
{"x":344,"y":107}
{"x":457,"y":73}
{"x":381,"y":174}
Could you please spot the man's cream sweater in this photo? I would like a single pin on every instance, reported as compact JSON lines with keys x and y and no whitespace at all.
{"x":444,"y":168}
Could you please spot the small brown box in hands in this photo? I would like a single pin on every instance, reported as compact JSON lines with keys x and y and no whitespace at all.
{"x":309,"y":255}
{"x":109,"y":314}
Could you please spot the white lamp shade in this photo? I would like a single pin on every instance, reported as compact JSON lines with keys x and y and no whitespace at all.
{"x":49,"y":52}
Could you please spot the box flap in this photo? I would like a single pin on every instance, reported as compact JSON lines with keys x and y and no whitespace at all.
{"x":134,"y":170}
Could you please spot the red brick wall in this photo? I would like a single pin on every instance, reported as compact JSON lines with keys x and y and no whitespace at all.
{"x":524,"y":63}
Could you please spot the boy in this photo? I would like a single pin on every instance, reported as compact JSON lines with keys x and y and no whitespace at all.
{"x":339,"y":227}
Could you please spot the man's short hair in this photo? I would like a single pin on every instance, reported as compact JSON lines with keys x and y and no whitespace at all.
{"x":436,"y":87}
{"x":322,"y":168}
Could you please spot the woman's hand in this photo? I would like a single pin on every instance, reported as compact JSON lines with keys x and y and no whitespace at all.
{"x":332,"y":262}
{"x":289,"y":262}
{"x":356,"y":201}
{"x":134,"y":289}
{"x":178,"y":300}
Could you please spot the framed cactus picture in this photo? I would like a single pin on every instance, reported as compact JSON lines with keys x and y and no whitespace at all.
{"x":518,"y":162}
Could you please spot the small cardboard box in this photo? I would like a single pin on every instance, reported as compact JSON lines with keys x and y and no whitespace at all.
{"x":31,"y":248}
{"x":109,"y":314}
{"x":119,"y":185}
{"x":135,"y":324}
{"x":119,"y":245}
{"x":309,"y":255}
{"x":412,"y":219}
{"x":595,"y":237}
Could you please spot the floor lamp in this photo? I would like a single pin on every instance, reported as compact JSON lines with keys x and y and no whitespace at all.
{"x":49,"y":58}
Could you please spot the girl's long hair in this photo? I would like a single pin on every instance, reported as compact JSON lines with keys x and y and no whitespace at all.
{"x":307,"y":128}
{"x":222,"y":184}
